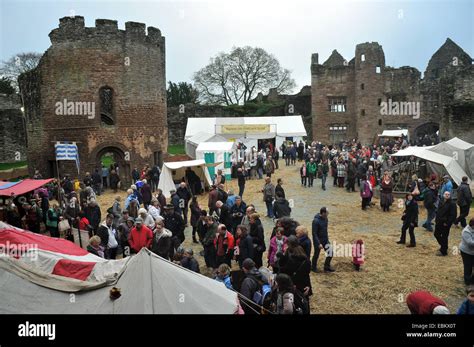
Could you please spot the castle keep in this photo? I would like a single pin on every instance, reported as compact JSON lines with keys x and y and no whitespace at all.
{"x":349,"y":99}
{"x":101,"y":87}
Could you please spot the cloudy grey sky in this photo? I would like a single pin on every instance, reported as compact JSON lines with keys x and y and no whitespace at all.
{"x":409,"y":31}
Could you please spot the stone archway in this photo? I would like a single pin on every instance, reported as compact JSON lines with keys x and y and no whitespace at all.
{"x":426,"y":133}
{"x":118,"y":154}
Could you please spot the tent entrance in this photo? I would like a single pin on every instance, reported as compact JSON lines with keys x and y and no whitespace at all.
{"x":209,"y":158}
{"x":262,"y":143}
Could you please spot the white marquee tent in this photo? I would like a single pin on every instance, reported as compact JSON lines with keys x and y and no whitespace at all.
{"x":249,"y":129}
{"x":459,"y":150}
{"x":194,"y":141}
{"x":217,"y":152}
{"x":172,"y":171}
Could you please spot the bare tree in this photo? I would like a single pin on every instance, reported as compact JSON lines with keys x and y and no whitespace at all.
{"x":237,"y":77}
{"x":18,"y":64}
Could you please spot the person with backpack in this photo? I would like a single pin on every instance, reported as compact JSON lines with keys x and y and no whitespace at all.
{"x":281,"y":206}
{"x":255,"y":288}
{"x":464,"y":202}
{"x":296,"y":264}
{"x":286,"y":299}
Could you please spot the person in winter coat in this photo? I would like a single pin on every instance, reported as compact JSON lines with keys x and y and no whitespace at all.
{"x":176,"y":201}
{"x":351,"y":175}
{"x":410,"y":221}
{"x":146,"y":193}
{"x":269,"y":166}
{"x":324,"y":170}
{"x":467,"y":251}
{"x":174,"y":223}
{"x":258,"y":238}
{"x":93,"y":214}
{"x":281,"y":207}
{"x":140,"y":236}
{"x":223,"y":275}
{"x":278,"y":244}
{"x":189,"y":262}
{"x":94,"y":246}
{"x":213,"y":197}
{"x":365,"y":192}
{"x":208,"y":243}
{"x":430,"y":202}
{"x":224,"y":245}
{"x":162,"y":242}
{"x":467,"y":306}
{"x":52,"y":220}
{"x":464,"y":202}
{"x":445,"y":217}
{"x":148,"y":220}
{"x":237,"y":212}
{"x":303,"y":239}
{"x":279,"y":188}
{"x":447,"y":186}
{"x":425,"y":303}
{"x":243,"y":245}
{"x":223,"y":213}
{"x":161,"y":198}
{"x":311,"y":168}
{"x":109,"y":237}
{"x":321,"y":240}
{"x":296,"y":264}
{"x":253,"y":282}
{"x":341,"y":173}
{"x":386,"y":196}
{"x":154,"y":209}
{"x":114,"y":180}
{"x":195,"y":216}
{"x":303,"y":174}
{"x":283,"y":296}
{"x":117,"y":211}
{"x":184,"y":195}
{"x":268,"y":196}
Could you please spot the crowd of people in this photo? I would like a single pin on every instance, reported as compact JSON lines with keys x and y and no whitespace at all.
{"x":271,"y":277}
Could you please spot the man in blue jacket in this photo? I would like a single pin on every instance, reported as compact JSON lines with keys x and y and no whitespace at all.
{"x":321,"y":240}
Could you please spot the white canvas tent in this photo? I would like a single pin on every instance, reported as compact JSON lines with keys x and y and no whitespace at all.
{"x":394,"y":133}
{"x":459,"y":150}
{"x":217,"y":152}
{"x":437,"y":163}
{"x":194,"y":141}
{"x":172,"y":171}
{"x":250,"y":129}
{"x":149,"y":284}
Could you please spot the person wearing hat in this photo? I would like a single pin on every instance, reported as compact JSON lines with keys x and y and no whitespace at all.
{"x":174,"y":223}
{"x":140,"y":237}
{"x":147,"y":218}
{"x":189,"y":262}
{"x":445,"y":217}
{"x":447,"y":186}
{"x":253,"y":282}
{"x":321,"y":240}
{"x":423,"y":302}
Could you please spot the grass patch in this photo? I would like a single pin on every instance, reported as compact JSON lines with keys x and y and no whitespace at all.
{"x":8,"y":166}
{"x":176,"y":149}
{"x":107,"y":160}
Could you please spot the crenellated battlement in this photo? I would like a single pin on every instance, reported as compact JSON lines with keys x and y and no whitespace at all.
{"x":74,"y":29}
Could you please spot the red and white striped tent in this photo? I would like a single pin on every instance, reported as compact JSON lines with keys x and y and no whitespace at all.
{"x":40,"y":274}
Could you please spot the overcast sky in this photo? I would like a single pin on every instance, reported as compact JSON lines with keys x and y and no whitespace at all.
{"x":409,"y":31}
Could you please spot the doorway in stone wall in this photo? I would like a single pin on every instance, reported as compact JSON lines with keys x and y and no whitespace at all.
{"x":114,"y":158}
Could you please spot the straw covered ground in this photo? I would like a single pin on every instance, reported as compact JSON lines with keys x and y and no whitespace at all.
{"x":390,"y":271}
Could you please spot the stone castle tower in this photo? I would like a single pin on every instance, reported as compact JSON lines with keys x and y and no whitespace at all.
{"x":103,"y":88}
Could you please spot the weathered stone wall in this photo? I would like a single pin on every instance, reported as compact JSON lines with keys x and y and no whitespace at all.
{"x":444,"y":95}
{"x":78,"y":64}
{"x":12,"y":130}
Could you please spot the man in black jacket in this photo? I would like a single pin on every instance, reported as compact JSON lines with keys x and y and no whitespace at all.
{"x":321,"y":240}
{"x":464,"y":202}
{"x":184,"y":197}
{"x":224,"y":215}
{"x":281,"y":206}
{"x":174,"y":223}
{"x":445,"y":217}
{"x":351,"y":175}
{"x":430,"y":204}
{"x":252,"y":282}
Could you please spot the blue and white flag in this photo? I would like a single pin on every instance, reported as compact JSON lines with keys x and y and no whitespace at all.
{"x":67,"y":151}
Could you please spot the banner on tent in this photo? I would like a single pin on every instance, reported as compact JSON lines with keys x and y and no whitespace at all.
{"x":245,"y":128}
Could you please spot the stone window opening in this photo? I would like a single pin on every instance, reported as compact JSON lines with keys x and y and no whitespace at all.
{"x":337,"y":104}
{"x":377,"y":69}
{"x":362,"y":86}
{"x":379,"y":101}
{"x":380,"y":122}
{"x":362,"y":57}
{"x":362,"y":112}
{"x":107,"y":116}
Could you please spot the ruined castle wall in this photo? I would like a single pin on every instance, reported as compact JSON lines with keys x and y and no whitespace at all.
{"x":78,"y":64}
{"x":12,"y":130}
